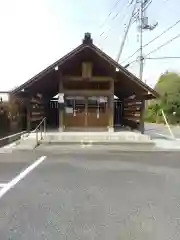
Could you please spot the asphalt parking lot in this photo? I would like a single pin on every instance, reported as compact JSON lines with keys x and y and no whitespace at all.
{"x":85,"y":194}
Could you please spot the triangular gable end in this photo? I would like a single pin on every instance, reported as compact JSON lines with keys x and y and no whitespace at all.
{"x":87,"y":43}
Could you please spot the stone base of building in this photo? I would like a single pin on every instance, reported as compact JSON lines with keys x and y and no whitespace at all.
{"x":61,"y":129}
{"x":110,"y":129}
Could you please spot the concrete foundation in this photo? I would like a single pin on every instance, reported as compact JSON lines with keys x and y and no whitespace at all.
{"x":95,"y":137}
{"x":61,"y":129}
{"x":111,"y":129}
{"x":124,"y":139}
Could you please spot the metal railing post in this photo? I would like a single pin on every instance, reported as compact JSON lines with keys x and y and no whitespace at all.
{"x":37,"y":137}
{"x":41,"y":131}
{"x":40,"y":127}
{"x":44,"y":127}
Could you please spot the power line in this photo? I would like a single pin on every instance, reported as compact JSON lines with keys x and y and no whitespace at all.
{"x":145,"y":45}
{"x":151,"y":58}
{"x":156,"y":49}
{"x":163,"y":45}
{"x":115,"y":5}
{"x":117,"y":14}
{"x":125,"y":7}
{"x":157,"y":58}
{"x":129,"y":64}
{"x":126,"y":33}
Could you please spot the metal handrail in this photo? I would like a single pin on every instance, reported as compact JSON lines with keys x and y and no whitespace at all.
{"x":36,"y":131}
{"x":39,"y":124}
{"x":39,"y":127}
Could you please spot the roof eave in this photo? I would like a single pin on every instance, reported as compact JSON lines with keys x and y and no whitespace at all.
{"x":48,"y":69}
{"x":75,"y":51}
{"x":125,"y":71}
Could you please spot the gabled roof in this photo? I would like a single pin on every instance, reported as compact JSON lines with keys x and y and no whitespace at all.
{"x":86,"y":44}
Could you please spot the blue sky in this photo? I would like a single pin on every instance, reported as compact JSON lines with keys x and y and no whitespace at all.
{"x":35,"y":33}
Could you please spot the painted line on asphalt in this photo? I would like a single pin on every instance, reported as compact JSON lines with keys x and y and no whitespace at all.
{"x":3,"y":185}
{"x":166,"y":136}
{"x":19,"y":177}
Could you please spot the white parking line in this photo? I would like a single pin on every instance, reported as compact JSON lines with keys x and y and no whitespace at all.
{"x":167,"y":136}
{"x":19,"y":177}
{"x":3,"y":185}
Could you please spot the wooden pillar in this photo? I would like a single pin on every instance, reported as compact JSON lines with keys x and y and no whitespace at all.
{"x":14,"y":111}
{"x":61,"y":109}
{"x":141,"y":125}
{"x":111,"y":107}
{"x":86,"y":111}
{"x":28,"y":115}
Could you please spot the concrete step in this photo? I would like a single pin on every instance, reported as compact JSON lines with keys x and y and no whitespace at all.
{"x":96,"y":137}
{"x":173,"y":144}
{"x":121,"y":140}
{"x":90,"y":142}
{"x":120,"y":146}
{"x":26,"y":144}
{"x":77,"y":149}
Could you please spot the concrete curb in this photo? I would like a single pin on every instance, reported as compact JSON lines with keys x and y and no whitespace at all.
{"x":96,"y":142}
{"x":26,"y":144}
{"x":121,"y":145}
{"x":106,"y":150}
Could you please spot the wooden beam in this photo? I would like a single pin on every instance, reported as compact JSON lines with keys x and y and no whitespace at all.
{"x":132,"y":108}
{"x":132,"y":115}
{"x":148,"y":96}
{"x":136,"y":120}
{"x":87,"y":92}
{"x":101,"y":79}
{"x":61,"y":110}
{"x":28,"y":116}
{"x":93,"y":78}
{"x":111,"y":107}
{"x":141,"y":125}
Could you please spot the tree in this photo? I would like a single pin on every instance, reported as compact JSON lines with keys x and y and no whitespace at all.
{"x":168,"y":86}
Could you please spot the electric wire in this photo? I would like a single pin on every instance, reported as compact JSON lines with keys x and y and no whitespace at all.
{"x":160,"y":35}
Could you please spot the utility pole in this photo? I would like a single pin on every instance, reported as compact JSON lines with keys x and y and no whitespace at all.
{"x":143,"y":25}
{"x":141,"y":41}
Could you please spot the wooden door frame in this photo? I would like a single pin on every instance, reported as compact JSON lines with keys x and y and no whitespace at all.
{"x":83,"y":113}
{"x":86,"y":109}
{"x":100,"y":114}
{"x":86,"y":112}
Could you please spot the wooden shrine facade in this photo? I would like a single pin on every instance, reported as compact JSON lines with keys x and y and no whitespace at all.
{"x":87,"y":80}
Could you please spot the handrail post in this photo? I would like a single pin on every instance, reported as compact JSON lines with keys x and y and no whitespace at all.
{"x":41,"y":131}
{"x":37,"y":136}
{"x":44,"y":127}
